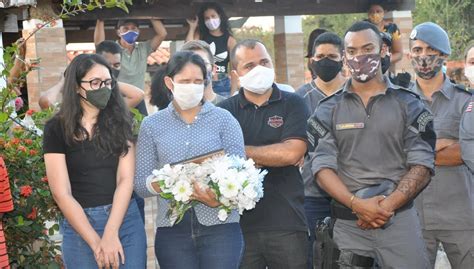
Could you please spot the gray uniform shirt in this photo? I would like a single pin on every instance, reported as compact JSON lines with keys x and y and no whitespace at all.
{"x":466,"y":135}
{"x":311,"y":95}
{"x":367,"y":145}
{"x":447,"y":203}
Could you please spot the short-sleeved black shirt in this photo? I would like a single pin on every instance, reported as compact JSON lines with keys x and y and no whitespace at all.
{"x":92,"y":175}
{"x":283,"y":117}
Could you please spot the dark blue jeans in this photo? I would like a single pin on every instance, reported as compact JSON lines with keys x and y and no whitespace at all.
{"x":222,"y":86}
{"x":191,"y":245}
{"x":77,"y":253}
{"x":316,"y":209}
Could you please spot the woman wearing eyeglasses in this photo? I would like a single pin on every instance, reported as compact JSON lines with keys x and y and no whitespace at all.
{"x":90,"y":163}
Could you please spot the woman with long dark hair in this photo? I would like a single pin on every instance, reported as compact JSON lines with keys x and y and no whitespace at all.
{"x":90,"y":163}
{"x":187,"y":128}
{"x":212,"y":26}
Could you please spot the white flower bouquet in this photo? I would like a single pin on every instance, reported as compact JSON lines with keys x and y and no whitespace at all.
{"x":236,"y":182}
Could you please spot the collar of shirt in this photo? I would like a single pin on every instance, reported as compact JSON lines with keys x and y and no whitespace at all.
{"x":445,"y":89}
{"x":206,"y":108}
{"x":274,"y":97}
{"x":389,"y":85}
{"x":124,"y":49}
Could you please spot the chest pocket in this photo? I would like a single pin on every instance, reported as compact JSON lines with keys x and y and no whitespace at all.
{"x":446,"y":127}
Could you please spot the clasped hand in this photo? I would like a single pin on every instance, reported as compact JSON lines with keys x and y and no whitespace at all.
{"x":109,"y":252}
{"x":373,"y":212}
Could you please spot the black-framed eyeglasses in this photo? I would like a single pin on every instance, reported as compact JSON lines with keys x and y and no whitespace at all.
{"x":97,"y":83}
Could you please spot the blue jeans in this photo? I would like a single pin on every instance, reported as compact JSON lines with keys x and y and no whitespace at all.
{"x":222,"y":86}
{"x":77,"y":253}
{"x":191,"y":245}
{"x":316,"y":209}
{"x":140,"y":204}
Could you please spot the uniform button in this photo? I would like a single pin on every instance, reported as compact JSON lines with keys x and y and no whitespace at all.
{"x":189,"y":126}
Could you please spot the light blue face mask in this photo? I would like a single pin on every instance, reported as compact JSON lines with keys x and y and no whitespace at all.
{"x":130,"y":36}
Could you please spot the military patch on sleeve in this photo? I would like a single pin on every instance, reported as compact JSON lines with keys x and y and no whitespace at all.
{"x":316,"y":130}
{"x":423,"y":125}
{"x":423,"y":119}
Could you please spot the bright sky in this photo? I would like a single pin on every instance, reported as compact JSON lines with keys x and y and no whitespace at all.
{"x":266,"y":22}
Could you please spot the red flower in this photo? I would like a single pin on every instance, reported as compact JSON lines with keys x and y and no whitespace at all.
{"x":44,"y":179}
{"x":33,"y":152}
{"x":33,"y":213}
{"x":15,"y":141}
{"x":28,"y":141}
{"x":30,"y":112}
{"x":26,"y":191}
{"x":22,"y":148}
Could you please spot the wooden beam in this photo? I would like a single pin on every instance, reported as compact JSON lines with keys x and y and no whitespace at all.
{"x":169,"y":9}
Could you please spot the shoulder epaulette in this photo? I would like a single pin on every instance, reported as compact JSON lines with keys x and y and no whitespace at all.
{"x":462,"y":88}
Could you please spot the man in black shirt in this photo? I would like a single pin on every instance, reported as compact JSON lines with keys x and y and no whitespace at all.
{"x":274,"y":127}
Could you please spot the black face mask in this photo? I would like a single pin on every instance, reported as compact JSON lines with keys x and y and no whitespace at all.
{"x":385,"y":64}
{"x":115,"y":72}
{"x":326,"y":69}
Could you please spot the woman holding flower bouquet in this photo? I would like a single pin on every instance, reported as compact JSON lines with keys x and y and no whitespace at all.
{"x":90,"y":161}
{"x":189,"y":127}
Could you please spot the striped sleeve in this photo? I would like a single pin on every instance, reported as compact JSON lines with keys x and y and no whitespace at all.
{"x":6,"y":202}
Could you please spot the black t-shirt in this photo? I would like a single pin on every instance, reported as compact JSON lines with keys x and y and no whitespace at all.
{"x":218,"y":46}
{"x":92,"y":175}
{"x":283,"y":117}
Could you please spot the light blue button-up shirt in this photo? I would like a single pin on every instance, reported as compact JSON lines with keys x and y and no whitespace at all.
{"x":166,"y":138}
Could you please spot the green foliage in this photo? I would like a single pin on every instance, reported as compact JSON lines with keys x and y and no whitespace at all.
{"x":257,"y":33}
{"x":74,"y":7}
{"x":335,"y":23}
{"x":28,"y":241}
{"x":455,"y":16}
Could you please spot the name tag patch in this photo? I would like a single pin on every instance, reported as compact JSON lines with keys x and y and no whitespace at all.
{"x":348,"y":126}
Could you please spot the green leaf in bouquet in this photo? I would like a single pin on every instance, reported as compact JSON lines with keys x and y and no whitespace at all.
{"x":167,"y":196}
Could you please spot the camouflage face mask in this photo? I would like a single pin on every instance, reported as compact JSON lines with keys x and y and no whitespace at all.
{"x":364,"y":67}
{"x":426,"y":67}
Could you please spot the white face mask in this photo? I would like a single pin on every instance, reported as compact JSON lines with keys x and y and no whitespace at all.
{"x":258,"y":80}
{"x":188,"y":95}
{"x":213,"y":24}
{"x":469,"y":73}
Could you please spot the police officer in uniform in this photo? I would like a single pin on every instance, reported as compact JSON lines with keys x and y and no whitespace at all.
{"x":374,"y":154}
{"x":466,"y":137}
{"x":446,"y":206}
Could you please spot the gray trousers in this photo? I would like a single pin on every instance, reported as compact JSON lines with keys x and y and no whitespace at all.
{"x":400,"y":245}
{"x":458,"y":245}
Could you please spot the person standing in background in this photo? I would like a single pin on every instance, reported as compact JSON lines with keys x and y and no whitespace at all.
{"x":376,"y":13}
{"x":134,"y":54}
{"x":326,"y":61}
{"x":212,"y":26}
{"x":451,"y":224}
